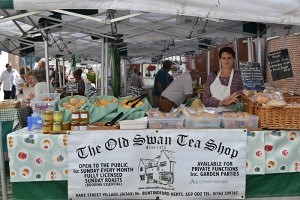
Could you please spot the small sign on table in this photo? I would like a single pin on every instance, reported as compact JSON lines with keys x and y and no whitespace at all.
{"x":72,"y":88}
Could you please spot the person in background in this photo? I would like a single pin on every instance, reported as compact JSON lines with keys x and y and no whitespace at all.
{"x":170,"y":78}
{"x":161,"y":82}
{"x":42,"y":68}
{"x":136,"y":80}
{"x":81,"y":84}
{"x":55,"y":77}
{"x":180,"y":89}
{"x":223,"y":88}
{"x":35,"y":79}
{"x":9,"y":78}
{"x":21,"y":81}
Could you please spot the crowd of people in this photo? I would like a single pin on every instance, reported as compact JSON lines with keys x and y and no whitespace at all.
{"x":221,"y":92}
{"x":28,"y":84}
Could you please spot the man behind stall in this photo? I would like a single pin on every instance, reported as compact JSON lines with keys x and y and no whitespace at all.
{"x":180,"y":89}
{"x":161,"y":82}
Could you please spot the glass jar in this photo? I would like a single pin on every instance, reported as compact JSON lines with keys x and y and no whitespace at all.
{"x":48,"y":116}
{"x":57,"y":116}
{"x":66,"y":126}
{"x":47,"y":127}
{"x":74,"y":126}
{"x":56,"y":126}
{"x":76,"y":116}
{"x":84,"y":115}
{"x":83,"y":125}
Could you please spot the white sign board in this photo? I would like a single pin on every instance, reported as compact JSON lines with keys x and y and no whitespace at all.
{"x":168,"y":164}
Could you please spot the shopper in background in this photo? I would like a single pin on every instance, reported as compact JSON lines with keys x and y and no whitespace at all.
{"x":180,"y":89}
{"x":55,"y":77}
{"x":81,"y":84}
{"x":20,"y":83}
{"x":136,"y":80}
{"x":161,"y":82}
{"x":42,"y":68}
{"x":223,"y":88}
{"x":9,"y":78}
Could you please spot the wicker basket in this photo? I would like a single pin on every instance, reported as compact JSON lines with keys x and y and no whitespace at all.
{"x":248,"y":105}
{"x":279,"y":118}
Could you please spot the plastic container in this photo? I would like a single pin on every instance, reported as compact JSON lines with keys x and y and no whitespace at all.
{"x":140,"y":123}
{"x":202,"y":122}
{"x":240,"y":122}
{"x":45,"y":102}
{"x":34,"y":122}
{"x":165,"y":122}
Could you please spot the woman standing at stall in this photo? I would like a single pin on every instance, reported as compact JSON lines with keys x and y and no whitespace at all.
{"x":223,"y":88}
{"x":35,"y":79}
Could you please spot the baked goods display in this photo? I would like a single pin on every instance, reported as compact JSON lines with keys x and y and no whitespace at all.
{"x":239,"y":120}
{"x":74,"y":103}
{"x":104,"y":102}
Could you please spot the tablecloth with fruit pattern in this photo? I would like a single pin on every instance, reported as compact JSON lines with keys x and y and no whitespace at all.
{"x":273,"y":152}
{"x":35,"y":156}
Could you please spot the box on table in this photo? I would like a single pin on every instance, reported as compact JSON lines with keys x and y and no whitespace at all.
{"x":165,"y":122}
{"x":134,"y":124}
{"x":202,"y":122}
{"x":45,"y":102}
{"x":250,"y":121}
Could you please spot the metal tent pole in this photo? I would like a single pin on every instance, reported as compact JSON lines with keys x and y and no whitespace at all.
{"x":208,"y":62}
{"x":102,"y":66}
{"x":125,"y":76}
{"x":106,"y":66}
{"x":47,"y":61}
{"x":64,"y":73}
{"x":2,"y":167}
{"x":59,"y":72}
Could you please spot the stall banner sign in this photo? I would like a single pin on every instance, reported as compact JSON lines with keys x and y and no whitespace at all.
{"x":252,"y":76}
{"x":164,"y":164}
{"x":72,"y":88}
{"x":280,"y":64}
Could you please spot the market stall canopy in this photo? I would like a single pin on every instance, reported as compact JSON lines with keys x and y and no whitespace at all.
{"x":139,"y":28}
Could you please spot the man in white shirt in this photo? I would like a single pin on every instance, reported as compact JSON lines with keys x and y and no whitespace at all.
{"x":8,"y":78}
{"x":177,"y":91}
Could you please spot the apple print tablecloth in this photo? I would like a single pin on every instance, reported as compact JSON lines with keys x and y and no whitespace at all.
{"x":273,"y":152}
{"x":35,"y":156}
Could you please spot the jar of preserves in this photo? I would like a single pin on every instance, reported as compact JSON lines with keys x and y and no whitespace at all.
{"x":47,"y":127}
{"x":48,"y":116}
{"x":57,"y":116}
{"x":66,"y":126}
{"x":74,"y":126}
{"x":76,"y":116}
{"x":83,"y":125}
{"x":84,"y":115}
{"x":56,"y":126}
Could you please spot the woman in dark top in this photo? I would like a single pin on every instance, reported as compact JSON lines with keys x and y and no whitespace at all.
{"x":81,"y":84}
{"x":223,"y":88}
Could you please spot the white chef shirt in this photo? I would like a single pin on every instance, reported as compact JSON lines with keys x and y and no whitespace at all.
{"x":9,"y":79}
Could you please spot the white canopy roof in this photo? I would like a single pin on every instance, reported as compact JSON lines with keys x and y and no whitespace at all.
{"x":141,"y":28}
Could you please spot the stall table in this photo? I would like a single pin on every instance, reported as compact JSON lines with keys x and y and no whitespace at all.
{"x":38,"y":164}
